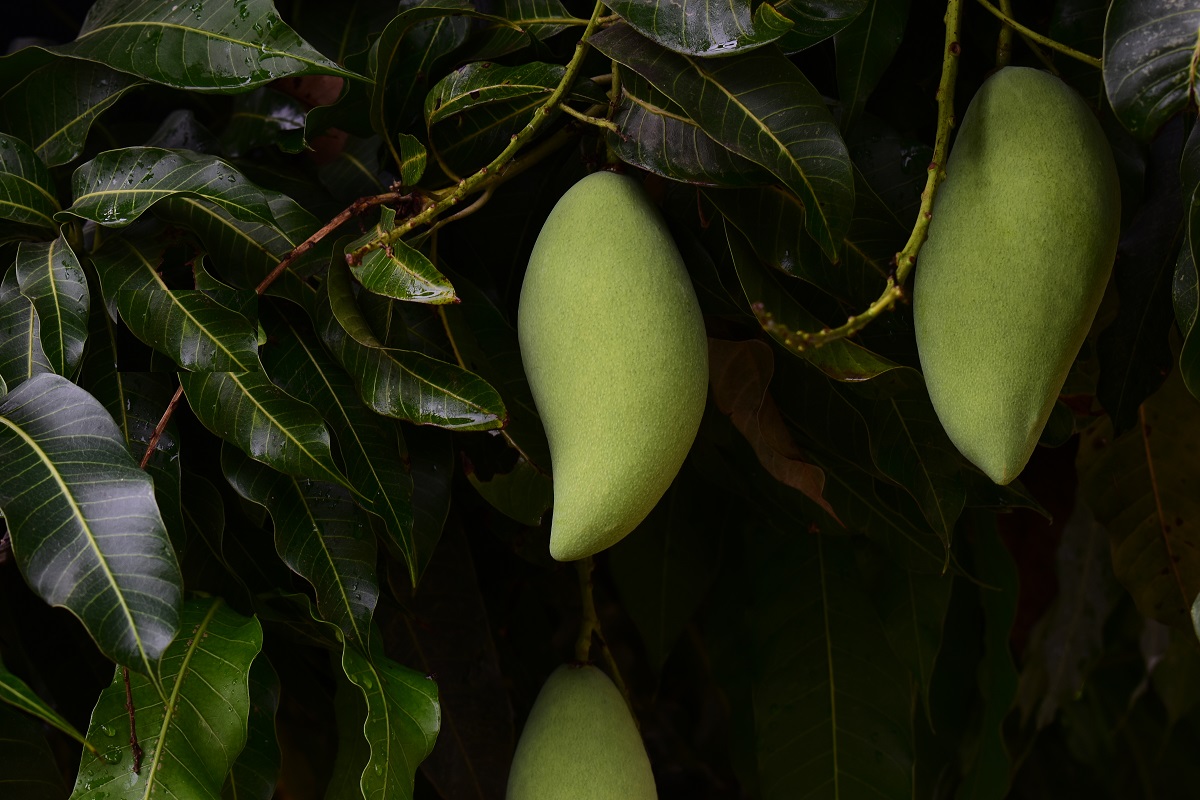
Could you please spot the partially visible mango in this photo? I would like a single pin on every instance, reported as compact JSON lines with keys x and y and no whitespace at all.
{"x":580,"y":743}
{"x":614,"y":347}
{"x":1021,"y":244}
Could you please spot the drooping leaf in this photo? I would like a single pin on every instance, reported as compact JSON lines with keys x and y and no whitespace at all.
{"x":77,"y":505}
{"x":21,"y":352}
{"x":255,"y":774}
{"x":353,"y":750}
{"x":431,"y":455}
{"x":26,"y":761}
{"x":26,"y":189}
{"x":213,"y":45}
{"x":1142,"y":487}
{"x":728,"y":98}
{"x":192,"y":734}
{"x":51,"y":277}
{"x":399,"y":270}
{"x":865,"y":49}
{"x":704,"y":29}
{"x":320,"y":534}
{"x":16,"y":693}
{"x":55,"y":106}
{"x":263,"y":421}
{"x":118,"y":186}
{"x":814,"y":21}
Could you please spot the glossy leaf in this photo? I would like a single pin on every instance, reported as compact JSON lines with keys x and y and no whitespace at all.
{"x":320,"y":534}
{"x":51,"y":277}
{"x":256,"y":772}
{"x":263,"y":421}
{"x":261,"y":118}
{"x":16,"y":693}
{"x":353,"y":750}
{"x":78,"y":507}
{"x":411,"y":386}
{"x":1149,"y":61}
{"x":192,"y":734}
{"x":399,"y":270}
{"x":706,"y":28}
{"x":479,"y":83}
{"x":478,"y":134}
{"x":27,"y":193}
{"x":26,"y":761}
{"x":814,"y":21}
{"x":373,"y":455}
{"x":214,"y":45}
{"x":1142,"y":488}
{"x":760,"y":106}
{"x":118,"y":186}
{"x":21,"y":352}
{"x":55,"y":106}
{"x":355,"y":172}
{"x":864,"y":50}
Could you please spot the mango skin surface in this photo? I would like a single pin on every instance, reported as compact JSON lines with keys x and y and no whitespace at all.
{"x":1021,"y":243}
{"x":613,"y":344}
{"x":580,"y":743}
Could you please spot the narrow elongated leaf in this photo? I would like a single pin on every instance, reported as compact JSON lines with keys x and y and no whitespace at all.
{"x":831,"y":705}
{"x":214,"y":45}
{"x":1149,"y":60}
{"x":1143,"y":487}
{"x":118,"y":186}
{"x":26,"y":189}
{"x":814,"y":21}
{"x":320,"y":534}
{"x":864,"y":51}
{"x":760,"y":106}
{"x":17,"y":694}
{"x":54,"y":107}
{"x":353,"y":750}
{"x":51,"y":277}
{"x":399,"y":270}
{"x":411,"y":386}
{"x":705,"y":28}
{"x":192,"y":736}
{"x":265,"y":422}
{"x":21,"y":352}
{"x":480,"y":83}
{"x":375,"y":464}
{"x":27,"y":767}
{"x":255,"y":774}
{"x":85,"y":529}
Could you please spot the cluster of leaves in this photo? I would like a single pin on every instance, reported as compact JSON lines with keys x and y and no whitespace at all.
{"x":297,"y":518}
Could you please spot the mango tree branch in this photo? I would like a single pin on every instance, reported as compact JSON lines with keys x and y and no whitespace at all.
{"x":1005,"y":41}
{"x":907,"y":257}
{"x":487,"y":175}
{"x":1045,"y":41}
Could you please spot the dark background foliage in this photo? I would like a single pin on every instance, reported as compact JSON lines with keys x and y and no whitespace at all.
{"x":829,"y":601}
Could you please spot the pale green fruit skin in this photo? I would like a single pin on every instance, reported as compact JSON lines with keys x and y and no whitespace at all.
{"x":1021,"y":244}
{"x":580,"y":743}
{"x":613,"y":344}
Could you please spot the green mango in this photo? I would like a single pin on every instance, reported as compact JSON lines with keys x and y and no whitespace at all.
{"x":580,"y":743}
{"x":1021,"y":244}
{"x":613,"y":344}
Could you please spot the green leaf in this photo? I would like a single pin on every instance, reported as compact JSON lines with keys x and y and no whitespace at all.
{"x":77,"y":506}
{"x":399,"y":270}
{"x":480,"y":83}
{"x":26,"y":761}
{"x":118,"y":186}
{"x":21,"y":352}
{"x":1186,"y":294}
{"x":411,"y":386}
{"x":266,"y":423}
{"x":355,"y":171}
{"x":412,"y":159}
{"x":51,"y":277}
{"x":209,"y":45}
{"x":198,"y":333}
{"x":320,"y":534}
{"x":353,"y":750}
{"x":16,"y":693}
{"x":144,"y":398}
{"x":831,"y":705}
{"x":1141,"y":486}
{"x":760,"y":106}
{"x":192,"y":735}
{"x":540,"y":19}
{"x":255,"y":774}
{"x":478,"y":134}
{"x":704,"y":29}
{"x":815,"y":21}
{"x":864,"y":51}
{"x":371,"y":451}
{"x":54,"y":107}
{"x":264,"y":117}
{"x":1149,"y":61}
{"x":27,"y":193}
{"x":431,"y":454}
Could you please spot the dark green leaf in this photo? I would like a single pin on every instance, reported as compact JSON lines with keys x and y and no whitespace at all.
{"x":1149,"y":61}
{"x":256,"y":772}
{"x":21,"y":352}
{"x":411,"y":386}
{"x":262,"y":118}
{"x":541,"y":19}
{"x":213,"y":45}
{"x":118,"y":186}
{"x":353,"y":750}
{"x":864,"y":51}
{"x":262,"y":420}
{"x":16,"y":693}
{"x":399,"y":270}
{"x":815,"y":20}
{"x":354,"y":173}
{"x":477,"y":135}
{"x":1185,"y":291}
{"x":760,"y":106}
{"x":26,"y":188}
{"x":145,"y":397}
{"x":431,"y":454}
{"x":77,"y":505}
{"x":706,"y":28}
{"x":193,"y":733}
{"x":51,"y":277}
{"x":1080,"y":24}
{"x":26,"y":761}
{"x":54,"y":107}
{"x":480,"y":83}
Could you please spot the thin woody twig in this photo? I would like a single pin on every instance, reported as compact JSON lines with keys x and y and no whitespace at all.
{"x":160,"y":427}
{"x":133,"y":737}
